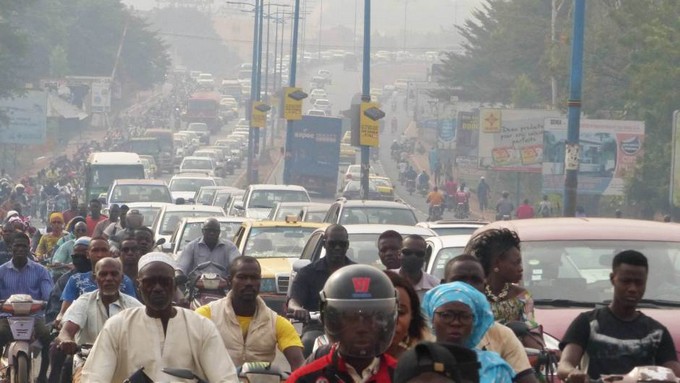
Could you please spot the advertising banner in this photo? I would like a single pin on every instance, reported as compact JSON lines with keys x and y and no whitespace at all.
{"x":27,"y":116}
{"x":609,"y":151}
{"x":512,"y":139}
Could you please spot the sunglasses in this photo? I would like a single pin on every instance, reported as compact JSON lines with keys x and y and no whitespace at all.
{"x":412,"y":253}
{"x":337,"y":243}
{"x":128,"y":249}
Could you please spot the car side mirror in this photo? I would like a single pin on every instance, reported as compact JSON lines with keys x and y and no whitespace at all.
{"x":238,"y":205}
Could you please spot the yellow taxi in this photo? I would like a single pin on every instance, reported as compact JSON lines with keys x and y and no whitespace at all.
{"x":276,"y":245}
{"x":348,"y":153}
{"x":384,"y":186}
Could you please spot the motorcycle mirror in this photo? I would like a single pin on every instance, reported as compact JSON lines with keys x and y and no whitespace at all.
{"x":181,"y":279}
{"x":160,"y":241}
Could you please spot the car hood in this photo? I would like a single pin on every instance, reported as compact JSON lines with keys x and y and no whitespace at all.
{"x":556,"y":320}
{"x":272,"y":266}
{"x":182,"y":194}
{"x":257,"y":213}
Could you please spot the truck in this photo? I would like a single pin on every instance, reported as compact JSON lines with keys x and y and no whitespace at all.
{"x":314,"y":154}
{"x":166,"y":157}
{"x":102,"y":168}
{"x":204,"y":107}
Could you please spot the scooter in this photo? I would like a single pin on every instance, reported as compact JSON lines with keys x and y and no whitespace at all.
{"x":436,"y":213}
{"x":18,"y":354}
{"x":461,"y":211}
{"x":207,"y":283}
{"x":411,"y":186}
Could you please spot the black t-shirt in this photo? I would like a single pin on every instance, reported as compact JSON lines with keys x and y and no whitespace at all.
{"x":615,"y":346}
{"x":309,"y":281}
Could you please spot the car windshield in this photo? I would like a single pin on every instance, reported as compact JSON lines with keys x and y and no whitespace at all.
{"x":193,"y":230}
{"x":140,"y":193}
{"x":282,"y":212}
{"x":277,"y":242}
{"x":315,"y":216}
{"x":382,"y":215}
{"x":267,"y":198}
{"x":190,"y":184}
{"x":197,"y":164}
{"x":149,"y":213}
{"x":579,"y":270}
{"x":442,"y":257}
{"x":172,"y":218}
{"x":205,"y":196}
{"x":221,"y":198}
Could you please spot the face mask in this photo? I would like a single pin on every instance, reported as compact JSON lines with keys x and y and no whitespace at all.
{"x":82,"y":264}
{"x":412,"y":263}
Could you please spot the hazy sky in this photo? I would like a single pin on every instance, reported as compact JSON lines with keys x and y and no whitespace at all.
{"x":387,"y":15}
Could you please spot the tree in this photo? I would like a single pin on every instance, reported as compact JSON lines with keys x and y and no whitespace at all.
{"x":13,"y":48}
{"x":524,"y":94}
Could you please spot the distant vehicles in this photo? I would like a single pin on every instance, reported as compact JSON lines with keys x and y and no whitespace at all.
{"x":346,"y":212}
{"x":259,"y":199}
{"x":204,"y":107}
{"x":352,"y":190}
{"x":201,"y":129}
{"x":317,"y":113}
{"x":401,"y":84}
{"x":232,"y":88}
{"x":170,"y":216}
{"x":124,"y":191}
{"x":150,"y":168}
{"x":186,"y":185}
{"x":195,"y":164}
{"x":166,"y":157}
{"x":205,"y":80}
{"x":102,"y":168}
{"x":323,"y":104}
{"x":316,"y":94}
{"x":326,"y":75}
{"x":350,"y":62}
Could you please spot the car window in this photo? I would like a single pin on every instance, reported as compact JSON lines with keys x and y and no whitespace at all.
{"x":197,"y":164}
{"x":579,"y":270}
{"x":276,"y":242}
{"x":172,"y":219}
{"x":267,"y":198}
{"x":381,"y":215}
{"x":140,"y":193}
{"x":443,"y":256}
{"x":190,"y":184}
{"x":205,"y":196}
{"x":149,"y":213}
{"x":193,"y":230}
{"x":441,"y":231}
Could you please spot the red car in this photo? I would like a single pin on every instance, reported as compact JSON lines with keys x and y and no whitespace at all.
{"x":567,"y":262}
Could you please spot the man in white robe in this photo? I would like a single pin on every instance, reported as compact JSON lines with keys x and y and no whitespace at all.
{"x":158,"y":336}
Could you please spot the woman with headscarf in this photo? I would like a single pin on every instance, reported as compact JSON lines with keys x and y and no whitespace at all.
{"x":461,"y":315}
{"x":49,"y":241}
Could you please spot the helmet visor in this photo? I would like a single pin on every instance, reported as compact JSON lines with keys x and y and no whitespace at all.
{"x":363,"y":327}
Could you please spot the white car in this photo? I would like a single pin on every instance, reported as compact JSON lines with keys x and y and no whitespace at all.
{"x":317,"y":112}
{"x":354,"y":173}
{"x":316,"y":94}
{"x":323,"y":104}
{"x":187,"y":185}
{"x":442,"y":249}
{"x":171,"y":215}
{"x":205,"y":80}
{"x":198,"y":164}
{"x":325,"y":73}
{"x":259,"y":199}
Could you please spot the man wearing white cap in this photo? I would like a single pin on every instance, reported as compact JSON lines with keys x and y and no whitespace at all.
{"x":158,"y":335}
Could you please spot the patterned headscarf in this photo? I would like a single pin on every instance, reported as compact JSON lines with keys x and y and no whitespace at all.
{"x":469,"y":296}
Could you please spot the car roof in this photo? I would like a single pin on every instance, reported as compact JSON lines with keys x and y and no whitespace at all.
{"x":276,"y":187}
{"x":197,"y":157}
{"x":313,"y":225}
{"x":171,"y":207}
{"x":133,"y":205}
{"x":220,"y":219}
{"x":374,"y":203}
{"x":133,"y":181}
{"x":456,"y":240}
{"x":190,"y":176}
{"x":452,"y":223}
{"x":380,"y":228}
{"x":228,"y":188}
{"x":567,"y":228}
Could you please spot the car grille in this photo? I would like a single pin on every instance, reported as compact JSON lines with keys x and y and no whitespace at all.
{"x":282,"y":281}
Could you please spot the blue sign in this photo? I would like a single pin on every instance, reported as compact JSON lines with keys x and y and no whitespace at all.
{"x":447,"y":130}
{"x":27,"y":117}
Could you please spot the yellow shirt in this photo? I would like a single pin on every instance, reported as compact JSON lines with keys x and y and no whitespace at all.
{"x":46,"y":244}
{"x":286,"y":336}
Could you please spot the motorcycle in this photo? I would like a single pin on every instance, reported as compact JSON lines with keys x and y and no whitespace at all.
{"x":436,"y":213}
{"x":206,"y":286}
{"x":19,"y":353}
{"x":411,"y":186}
{"x":461,"y":211}
{"x":423,"y":189}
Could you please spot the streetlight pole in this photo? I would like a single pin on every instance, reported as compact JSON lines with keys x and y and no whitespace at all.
{"x":291,"y":82}
{"x":366,"y":93}
{"x":320,"y":19}
{"x":254,"y":93}
{"x":572,"y":152}
{"x":405,"y":14}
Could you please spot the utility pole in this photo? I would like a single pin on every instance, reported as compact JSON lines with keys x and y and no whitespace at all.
{"x":572,"y":152}
{"x":366,"y":94}
{"x":251,"y":168}
{"x":291,"y":83}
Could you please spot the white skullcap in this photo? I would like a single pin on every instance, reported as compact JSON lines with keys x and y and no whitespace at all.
{"x":12,"y":213}
{"x":156,"y":256}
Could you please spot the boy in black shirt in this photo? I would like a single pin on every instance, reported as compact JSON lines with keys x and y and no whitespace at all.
{"x":618,"y":337}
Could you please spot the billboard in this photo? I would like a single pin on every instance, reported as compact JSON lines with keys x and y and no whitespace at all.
{"x":609,"y":151}
{"x":27,"y":119}
{"x":512,"y":139}
{"x":101,"y":96}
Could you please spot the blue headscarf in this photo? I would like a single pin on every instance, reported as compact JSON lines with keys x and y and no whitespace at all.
{"x":468,"y":295}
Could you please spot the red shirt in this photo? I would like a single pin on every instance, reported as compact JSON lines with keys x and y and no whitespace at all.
{"x":92,"y":223}
{"x":450,"y":187}
{"x":332,"y":365}
{"x":525,"y":211}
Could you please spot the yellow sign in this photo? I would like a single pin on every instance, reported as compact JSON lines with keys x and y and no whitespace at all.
{"x":369,"y":129}
{"x":490,"y":120}
{"x":292,"y":108}
{"x":259,"y":118}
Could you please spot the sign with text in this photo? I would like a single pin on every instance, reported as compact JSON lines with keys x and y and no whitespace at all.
{"x":101,"y":97}
{"x":259,"y":117}
{"x":512,"y":139}
{"x":26,"y":119}
{"x":608,"y":152}
{"x":369,"y":129}
{"x":292,"y":109}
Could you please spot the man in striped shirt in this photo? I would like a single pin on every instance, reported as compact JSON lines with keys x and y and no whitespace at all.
{"x":23,"y":276}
